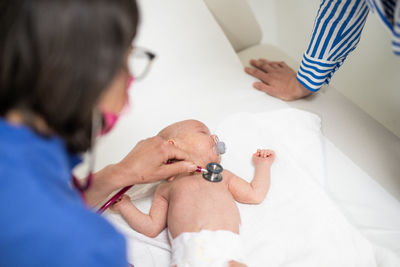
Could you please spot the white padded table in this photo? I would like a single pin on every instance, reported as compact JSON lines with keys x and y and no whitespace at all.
{"x":198,"y":75}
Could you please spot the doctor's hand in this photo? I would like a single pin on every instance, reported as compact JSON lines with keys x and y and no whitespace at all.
{"x":276,"y":79}
{"x":147,"y":162}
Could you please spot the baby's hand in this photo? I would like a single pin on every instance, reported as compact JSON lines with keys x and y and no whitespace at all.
{"x":263,"y":156}
{"x":119,"y":203}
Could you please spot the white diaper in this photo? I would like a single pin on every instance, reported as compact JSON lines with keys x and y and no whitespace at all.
{"x":206,"y":249}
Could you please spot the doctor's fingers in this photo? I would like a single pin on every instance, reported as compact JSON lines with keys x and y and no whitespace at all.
{"x":169,"y":171}
{"x":171,"y":152}
{"x":159,"y":150}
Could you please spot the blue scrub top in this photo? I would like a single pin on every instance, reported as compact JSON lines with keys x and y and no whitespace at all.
{"x":43,"y":221}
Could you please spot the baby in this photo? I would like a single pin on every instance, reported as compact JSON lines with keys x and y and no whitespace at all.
{"x":202,"y":217}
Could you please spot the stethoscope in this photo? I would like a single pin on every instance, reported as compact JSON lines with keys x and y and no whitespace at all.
{"x":212,"y":173}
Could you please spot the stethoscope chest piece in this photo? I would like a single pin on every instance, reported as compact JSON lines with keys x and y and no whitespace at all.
{"x":213,"y":173}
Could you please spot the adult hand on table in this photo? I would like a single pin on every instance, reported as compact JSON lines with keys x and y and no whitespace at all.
{"x":277,"y":79}
{"x":146,"y":163}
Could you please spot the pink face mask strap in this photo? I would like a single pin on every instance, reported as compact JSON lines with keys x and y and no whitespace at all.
{"x":110,"y":119}
{"x":130,"y":81}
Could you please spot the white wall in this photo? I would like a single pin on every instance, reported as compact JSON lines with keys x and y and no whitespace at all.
{"x":370,"y":77}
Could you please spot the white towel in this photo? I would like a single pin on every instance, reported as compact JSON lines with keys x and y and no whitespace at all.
{"x":297,"y":224}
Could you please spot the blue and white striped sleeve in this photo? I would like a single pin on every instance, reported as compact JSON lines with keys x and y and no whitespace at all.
{"x":396,"y":30}
{"x":337,"y":30}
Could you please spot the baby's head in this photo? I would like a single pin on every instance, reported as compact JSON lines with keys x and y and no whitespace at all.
{"x":195,"y":139}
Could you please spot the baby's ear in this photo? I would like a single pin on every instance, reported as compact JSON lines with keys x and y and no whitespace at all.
{"x":171,"y":141}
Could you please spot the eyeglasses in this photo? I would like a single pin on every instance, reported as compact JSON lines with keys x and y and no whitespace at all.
{"x":140,"y":61}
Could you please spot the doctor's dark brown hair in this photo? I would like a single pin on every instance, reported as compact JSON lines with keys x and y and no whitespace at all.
{"x":58,"y":56}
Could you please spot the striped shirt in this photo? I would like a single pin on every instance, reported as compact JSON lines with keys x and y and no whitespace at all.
{"x":337,"y":30}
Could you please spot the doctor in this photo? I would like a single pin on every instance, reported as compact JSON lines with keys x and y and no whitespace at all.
{"x":63,"y":81}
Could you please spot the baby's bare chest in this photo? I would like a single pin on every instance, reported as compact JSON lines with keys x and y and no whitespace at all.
{"x":200,"y":192}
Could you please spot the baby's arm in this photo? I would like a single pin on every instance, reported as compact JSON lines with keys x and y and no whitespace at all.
{"x":254,"y":192}
{"x":148,"y":224}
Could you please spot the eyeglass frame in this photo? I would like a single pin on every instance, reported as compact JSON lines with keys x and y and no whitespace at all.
{"x":150,"y":57}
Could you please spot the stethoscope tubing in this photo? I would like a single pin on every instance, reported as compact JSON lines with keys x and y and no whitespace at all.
{"x":113,"y":199}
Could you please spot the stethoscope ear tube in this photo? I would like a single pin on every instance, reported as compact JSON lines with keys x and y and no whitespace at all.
{"x":113,"y":199}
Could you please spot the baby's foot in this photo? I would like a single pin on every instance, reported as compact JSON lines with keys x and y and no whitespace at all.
{"x":264,"y":156}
